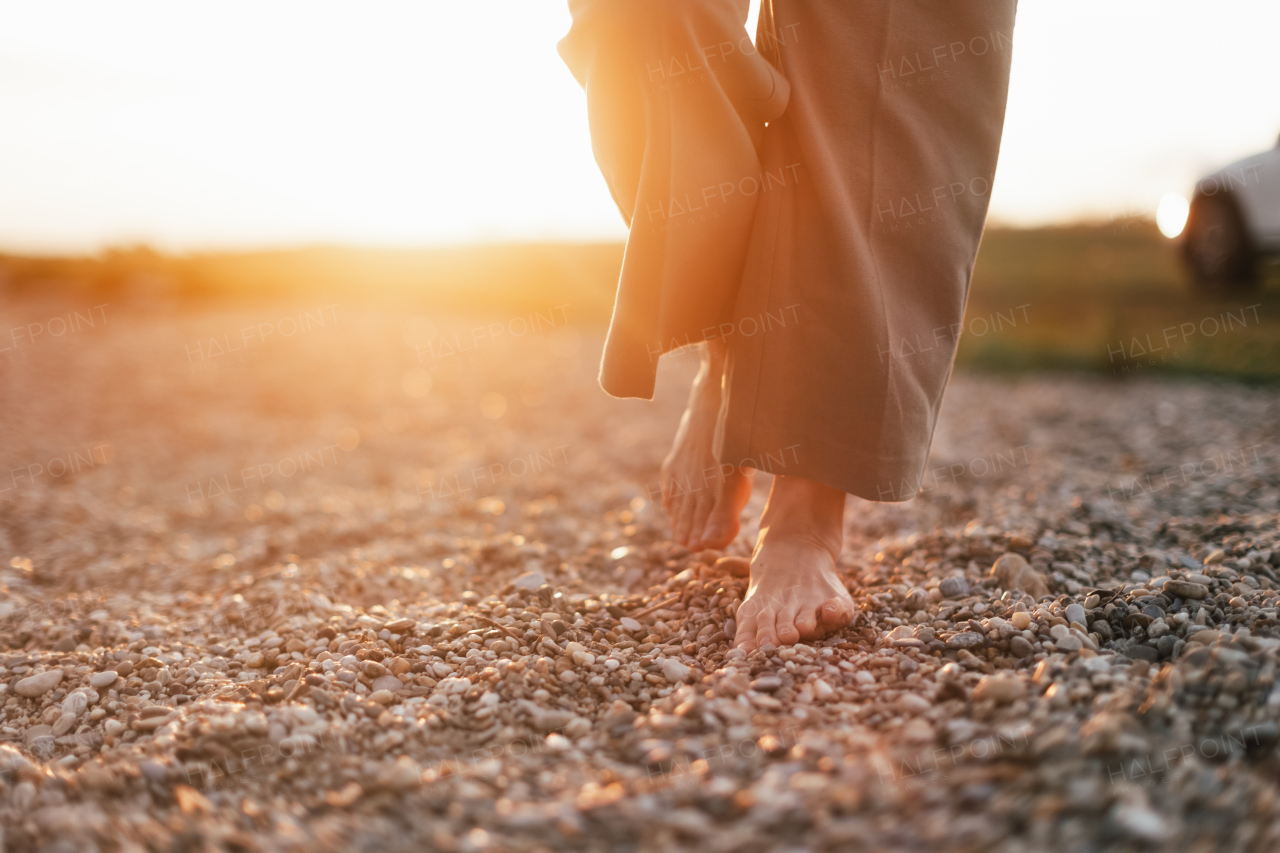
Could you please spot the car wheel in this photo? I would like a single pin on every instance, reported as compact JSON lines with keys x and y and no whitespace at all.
{"x":1217,"y":247}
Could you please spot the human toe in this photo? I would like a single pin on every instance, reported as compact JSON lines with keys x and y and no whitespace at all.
{"x":785,"y":627}
{"x":806,"y":623}
{"x":835,"y":613}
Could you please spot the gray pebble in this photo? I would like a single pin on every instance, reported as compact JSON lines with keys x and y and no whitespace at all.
{"x":1186,"y":589}
{"x":1142,"y":652}
{"x":154,"y":771}
{"x":965,"y":640}
{"x":1075,"y":613}
{"x":917,"y":599}
{"x":954,"y":588}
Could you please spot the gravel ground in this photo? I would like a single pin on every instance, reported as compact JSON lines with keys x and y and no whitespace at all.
{"x":395,"y":582}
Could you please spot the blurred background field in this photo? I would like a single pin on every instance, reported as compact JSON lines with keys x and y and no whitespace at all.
{"x":1108,"y":298}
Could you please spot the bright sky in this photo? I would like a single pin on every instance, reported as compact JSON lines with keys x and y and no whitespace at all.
{"x":234,"y":124}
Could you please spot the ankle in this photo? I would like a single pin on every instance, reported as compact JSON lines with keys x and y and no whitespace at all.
{"x":789,"y":542}
{"x":804,"y":512}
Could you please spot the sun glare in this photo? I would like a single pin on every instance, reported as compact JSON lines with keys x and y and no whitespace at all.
{"x":1171,"y":215}
{"x":383,"y":127}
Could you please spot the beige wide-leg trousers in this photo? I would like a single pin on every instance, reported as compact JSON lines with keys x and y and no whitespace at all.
{"x":814,"y":198}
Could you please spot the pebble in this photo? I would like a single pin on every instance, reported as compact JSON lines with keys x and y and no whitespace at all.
{"x":531,"y":581}
{"x":735,"y":566}
{"x":65,"y":723}
{"x":1001,"y":689}
{"x":1140,"y":822}
{"x":373,"y":669}
{"x":531,"y":711}
{"x":1186,"y":589}
{"x":1069,"y":643}
{"x":913,"y":703}
{"x":1142,"y":653}
{"x":1013,"y":572}
{"x":402,"y":775}
{"x":34,"y":686}
{"x":917,"y":599}
{"x":75,"y":703}
{"x":386,"y":682}
{"x":766,"y":683}
{"x":551,"y":720}
{"x":674,"y":671}
{"x":103,"y":679}
{"x":965,"y":640}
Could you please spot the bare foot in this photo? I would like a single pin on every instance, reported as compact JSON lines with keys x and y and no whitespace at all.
{"x":702,"y":497}
{"x":795,"y":593}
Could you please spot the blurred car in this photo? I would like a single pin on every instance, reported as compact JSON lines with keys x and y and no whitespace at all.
{"x":1233,"y":222}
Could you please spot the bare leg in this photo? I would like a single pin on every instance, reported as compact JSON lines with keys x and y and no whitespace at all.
{"x":703,"y":498}
{"x":795,"y":593}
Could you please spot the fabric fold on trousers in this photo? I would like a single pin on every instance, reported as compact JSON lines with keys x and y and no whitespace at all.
{"x":853,"y":296}
{"x":840,"y":279}
{"x":677,"y":99}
